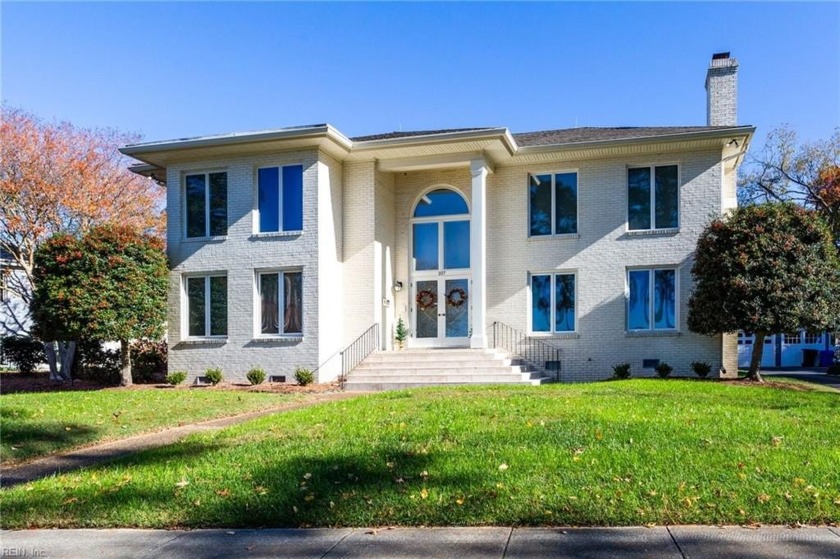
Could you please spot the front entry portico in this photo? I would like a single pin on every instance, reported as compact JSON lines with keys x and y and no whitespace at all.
{"x":440,"y":303}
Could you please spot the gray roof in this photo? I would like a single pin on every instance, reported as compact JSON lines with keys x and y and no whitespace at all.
{"x":560,"y":136}
{"x":410,"y":133}
{"x":595,"y":134}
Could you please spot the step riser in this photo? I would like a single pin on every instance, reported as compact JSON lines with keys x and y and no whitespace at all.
{"x":381,"y":387}
{"x":422,"y":366}
{"x":434,"y":357}
{"x":432,"y":379}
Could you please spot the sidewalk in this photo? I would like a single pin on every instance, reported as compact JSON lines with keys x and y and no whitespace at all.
{"x":676,"y":542}
{"x":91,"y":455}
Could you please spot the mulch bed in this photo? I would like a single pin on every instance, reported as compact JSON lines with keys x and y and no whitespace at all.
{"x":13,"y":382}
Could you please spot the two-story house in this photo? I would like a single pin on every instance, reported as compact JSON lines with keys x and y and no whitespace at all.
{"x":286,"y":245}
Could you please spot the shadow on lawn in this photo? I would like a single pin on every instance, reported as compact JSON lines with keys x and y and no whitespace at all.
{"x":22,"y":440}
{"x":367,"y":488}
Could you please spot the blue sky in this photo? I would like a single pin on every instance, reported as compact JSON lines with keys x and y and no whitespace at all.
{"x":169,"y":70}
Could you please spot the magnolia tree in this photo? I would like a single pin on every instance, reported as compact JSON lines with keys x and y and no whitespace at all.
{"x":57,"y":178}
{"x":807,"y":174}
{"x":765,"y":268}
{"x":109,"y":284}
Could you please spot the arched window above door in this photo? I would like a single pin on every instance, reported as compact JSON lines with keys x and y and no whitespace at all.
{"x":441,"y":202}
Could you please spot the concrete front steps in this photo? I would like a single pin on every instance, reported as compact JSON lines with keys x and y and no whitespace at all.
{"x":413,"y":368}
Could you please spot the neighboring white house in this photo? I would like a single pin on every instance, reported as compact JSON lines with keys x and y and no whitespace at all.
{"x":286,"y":245}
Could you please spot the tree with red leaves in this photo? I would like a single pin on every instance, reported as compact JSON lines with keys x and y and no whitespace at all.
{"x":59,"y":178}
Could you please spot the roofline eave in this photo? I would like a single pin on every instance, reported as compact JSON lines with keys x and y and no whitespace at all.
{"x":747,"y":131}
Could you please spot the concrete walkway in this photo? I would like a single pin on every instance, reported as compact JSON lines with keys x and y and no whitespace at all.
{"x":96,"y":454}
{"x":675,"y":542}
{"x":816,"y":376}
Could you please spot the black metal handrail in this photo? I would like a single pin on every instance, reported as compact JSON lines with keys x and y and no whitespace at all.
{"x":357,"y":351}
{"x":535,"y":352}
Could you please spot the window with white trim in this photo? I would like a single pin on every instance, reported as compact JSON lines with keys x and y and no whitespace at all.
{"x":206,"y":305}
{"x":553,"y":306}
{"x":205,"y":196}
{"x":281,"y":303}
{"x":652,"y":299}
{"x":280,"y":198}
{"x":552,"y":203}
{"x":653,"y":208}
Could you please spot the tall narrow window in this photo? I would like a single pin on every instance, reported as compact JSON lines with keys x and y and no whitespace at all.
{"x":206,"y":204}
{"x":281,"y":303}
{"x":553,"y":303}
{"x":656,"y":207}
{"x":652,"y":299}
{"x":280,"y":198}
{"x":553,"y":204}
{"x":207,"y":306}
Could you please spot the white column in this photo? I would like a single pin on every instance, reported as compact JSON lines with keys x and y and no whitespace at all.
{"x":478,"y":252}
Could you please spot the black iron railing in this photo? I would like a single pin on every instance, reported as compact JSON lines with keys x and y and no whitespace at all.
{"x":356,"y":352}
{"x":534,"y":352}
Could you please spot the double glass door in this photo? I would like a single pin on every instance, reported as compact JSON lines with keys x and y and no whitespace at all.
{"x":441,"y":282}
{"x":442,"y":311}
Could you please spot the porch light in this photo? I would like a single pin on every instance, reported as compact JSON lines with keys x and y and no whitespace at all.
{"x":398,"y":286}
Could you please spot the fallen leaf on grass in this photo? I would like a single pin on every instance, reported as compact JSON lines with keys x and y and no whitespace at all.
{"x":503,"y":467}
{"x":182,"y":483}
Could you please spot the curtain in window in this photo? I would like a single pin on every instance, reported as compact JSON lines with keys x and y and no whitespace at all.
{"x":270,"y":306}
{"x":292,"y":307}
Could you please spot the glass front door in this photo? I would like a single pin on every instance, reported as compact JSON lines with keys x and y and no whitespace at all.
{"x":440,"y":270}
{"x":442,"y":311}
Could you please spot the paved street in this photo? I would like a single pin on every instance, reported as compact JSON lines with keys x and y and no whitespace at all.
{"x":677,"y":542}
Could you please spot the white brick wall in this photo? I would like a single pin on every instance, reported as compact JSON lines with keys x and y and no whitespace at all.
{"x":600,"y":257}
{"x":355,"y":245}
{"x":359,"y":224}
{"x":239,"y":255}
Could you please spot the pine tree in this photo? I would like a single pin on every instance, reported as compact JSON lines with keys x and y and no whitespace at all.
{"x":401,"y":332}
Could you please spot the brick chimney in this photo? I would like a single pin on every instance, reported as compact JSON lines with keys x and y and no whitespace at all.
{"x":722,"y":91}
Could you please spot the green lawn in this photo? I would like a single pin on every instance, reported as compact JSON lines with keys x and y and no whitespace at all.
{"x":36,"y":424}
{"x":614,"y":453}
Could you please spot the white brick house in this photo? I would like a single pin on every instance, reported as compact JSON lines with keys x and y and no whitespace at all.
{"x":286,"y":245}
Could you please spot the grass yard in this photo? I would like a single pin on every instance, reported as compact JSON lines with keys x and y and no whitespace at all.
{"x":36,"y":424}
{"x":613,"y":453}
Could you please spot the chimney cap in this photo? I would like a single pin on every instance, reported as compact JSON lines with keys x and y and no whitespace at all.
{"x":720,"y":56}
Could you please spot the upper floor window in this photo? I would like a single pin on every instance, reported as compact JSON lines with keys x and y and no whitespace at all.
{"x":657,"y":207}
{"x":280,"y":196}
{"x":553,"y":303}
{"x":553,"y":204}
{"x":652,"y":299}
{"x":206,"y":306}
{"x":206,"y":203}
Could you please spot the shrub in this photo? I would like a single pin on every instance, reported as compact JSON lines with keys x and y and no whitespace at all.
{"x":176,"y":377}
{"x":664,"y":370}
{"x":256,"y":376}
{"x":701,"y":368}
{"x":96,"y":363}
{"x":148,"y":360}
{"x":214,"y":375}
{"x":304,"y":376}
{"x":621,"y":371}
{"x":24,"y":352}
